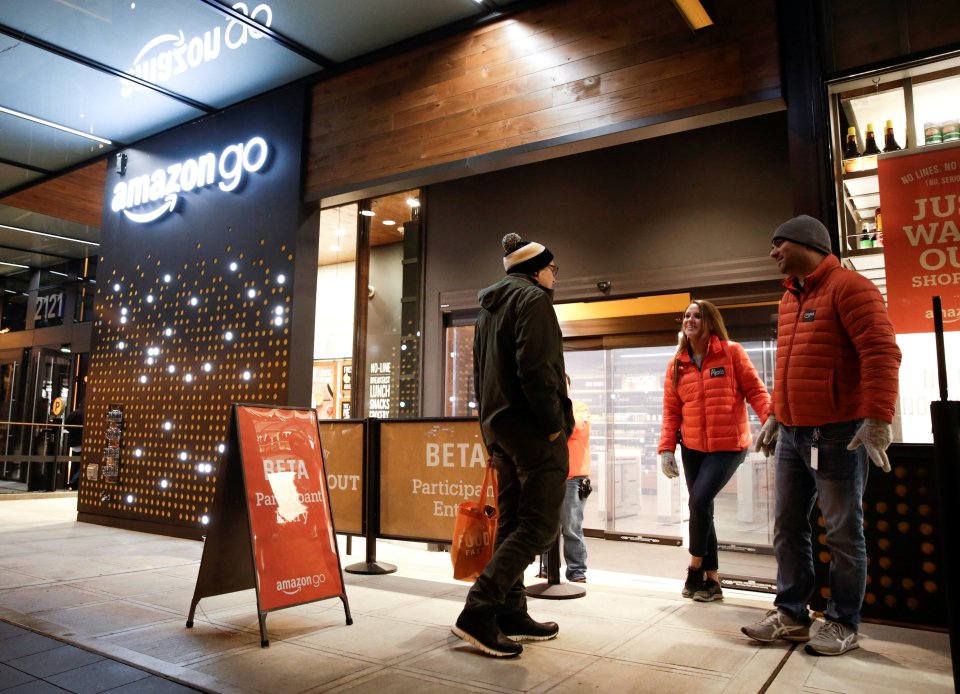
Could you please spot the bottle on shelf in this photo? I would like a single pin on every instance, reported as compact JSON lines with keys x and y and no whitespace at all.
{"x":866,"y":236}
{"x":851,"y":153}
{"x":870,"y":149}
{"x":889,"y":139}
{"x":932,"y":134}
{"x":878,"y":239}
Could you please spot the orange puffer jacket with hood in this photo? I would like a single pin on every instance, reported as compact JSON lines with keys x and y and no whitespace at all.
{"x":707,"y":405}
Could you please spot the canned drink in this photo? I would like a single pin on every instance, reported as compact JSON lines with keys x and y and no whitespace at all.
{"x":932,"y":134}
{"x":950,"y":130}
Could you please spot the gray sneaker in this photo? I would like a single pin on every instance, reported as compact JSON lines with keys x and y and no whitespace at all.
{"x":709,"y":592}
{"x":777,"y":625}
{"x":833,"y":638}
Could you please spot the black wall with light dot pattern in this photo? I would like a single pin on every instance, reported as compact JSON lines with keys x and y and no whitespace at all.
{"x":905,"y":571}
{"x":195,"y":309}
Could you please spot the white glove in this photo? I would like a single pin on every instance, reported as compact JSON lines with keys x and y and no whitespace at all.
{"x":874,"y":435}
{"x":767,"y":438}
{"x":668,"y":464}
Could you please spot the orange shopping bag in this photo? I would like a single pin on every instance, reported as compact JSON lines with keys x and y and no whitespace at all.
{"x":475,"y":532}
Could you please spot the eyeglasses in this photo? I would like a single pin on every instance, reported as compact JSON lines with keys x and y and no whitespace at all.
{"x":554,"y":268}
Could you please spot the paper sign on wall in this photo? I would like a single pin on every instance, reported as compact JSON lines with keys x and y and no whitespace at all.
{"x":920,"y":194}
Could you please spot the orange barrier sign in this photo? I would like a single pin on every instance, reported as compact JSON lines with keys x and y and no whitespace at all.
{"x":920,"y":192}
{"x":343,"y":461}
{"x":427,"y":468}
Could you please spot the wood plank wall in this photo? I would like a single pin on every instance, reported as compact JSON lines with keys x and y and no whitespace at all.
{"x":863,"y":32}
{"x":76,"y":196}
{"x":563,"y":69}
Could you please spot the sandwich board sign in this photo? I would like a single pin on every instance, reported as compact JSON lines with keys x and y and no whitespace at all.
{"x":271,"y":525}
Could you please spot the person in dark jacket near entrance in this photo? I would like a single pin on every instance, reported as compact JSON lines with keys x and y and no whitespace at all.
{"x":834,"y":394}
{"x":525,"y":418}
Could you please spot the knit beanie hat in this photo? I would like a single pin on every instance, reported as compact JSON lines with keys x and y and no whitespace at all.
{"x":806,"y":230}
{"x":526,"y":257}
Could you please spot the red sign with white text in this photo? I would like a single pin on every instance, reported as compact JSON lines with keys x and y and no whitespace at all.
{"x":920,"y":197}
{"x":294,"y":545}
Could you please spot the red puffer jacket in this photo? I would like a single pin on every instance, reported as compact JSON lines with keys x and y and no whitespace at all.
{"x":837,"y":354}
{"x":707,"y":404}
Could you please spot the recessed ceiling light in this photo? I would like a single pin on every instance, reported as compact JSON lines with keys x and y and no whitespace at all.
{"x":368,"y":213}
{"x":389,"y":222}
{"x":413,"y":202}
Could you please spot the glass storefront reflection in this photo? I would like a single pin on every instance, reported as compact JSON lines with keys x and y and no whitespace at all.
{"x":623,"y":388}
{"x":378,"y":240}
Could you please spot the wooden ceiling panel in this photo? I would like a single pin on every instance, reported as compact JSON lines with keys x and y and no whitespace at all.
{"x":76,"y":196}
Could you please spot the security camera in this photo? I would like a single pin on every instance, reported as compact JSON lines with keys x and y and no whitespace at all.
{"x":603,"y":286}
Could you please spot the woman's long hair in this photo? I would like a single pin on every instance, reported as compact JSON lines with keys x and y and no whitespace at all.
{"x":711,"y":323}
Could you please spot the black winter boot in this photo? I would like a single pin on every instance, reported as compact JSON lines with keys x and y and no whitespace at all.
{"x":520,"y":626}
{"x":480,"y":629}
{"x":693,"y":583}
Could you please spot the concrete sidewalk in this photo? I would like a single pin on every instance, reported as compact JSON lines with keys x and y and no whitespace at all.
{"x":120,"y":599}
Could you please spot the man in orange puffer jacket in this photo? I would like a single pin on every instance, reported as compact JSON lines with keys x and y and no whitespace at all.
{"x":835,"y":392}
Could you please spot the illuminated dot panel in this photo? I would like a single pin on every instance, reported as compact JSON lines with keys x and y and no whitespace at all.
{"x":905,"y":576}
{"x":176,"y":343}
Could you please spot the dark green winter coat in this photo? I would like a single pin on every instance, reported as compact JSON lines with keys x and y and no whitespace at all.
{"x":518,"y":361}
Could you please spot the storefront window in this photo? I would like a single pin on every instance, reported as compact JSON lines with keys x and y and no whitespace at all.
{"x":377,"y":241}
{"x":393,"y":313}
{"x":458,"y":372}
{"x":333,"y":337}
{"x":623,"y":388}
{"x":908,"y":257}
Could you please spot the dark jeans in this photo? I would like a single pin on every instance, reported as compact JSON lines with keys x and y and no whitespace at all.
{"x":838,"y":482}
{"x":531,"y":473}
{"x":706,"y":475}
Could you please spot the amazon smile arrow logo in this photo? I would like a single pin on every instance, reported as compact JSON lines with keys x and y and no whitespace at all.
{"x":144,"y":217}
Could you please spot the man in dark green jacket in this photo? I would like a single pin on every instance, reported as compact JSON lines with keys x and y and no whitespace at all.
{"x":525,"y":418}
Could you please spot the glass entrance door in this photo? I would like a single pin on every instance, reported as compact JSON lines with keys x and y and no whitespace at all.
{"x":624,"y":390}
{"x":623,"y":387}
{"x":47,"y":401}
{"x":10,"y":376}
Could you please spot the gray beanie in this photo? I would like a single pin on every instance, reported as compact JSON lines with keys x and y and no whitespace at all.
{"x":525,"y":257}
{"x":806,"y":230}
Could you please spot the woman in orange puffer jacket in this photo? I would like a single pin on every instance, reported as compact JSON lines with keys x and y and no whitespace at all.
{"x":705,"y":391}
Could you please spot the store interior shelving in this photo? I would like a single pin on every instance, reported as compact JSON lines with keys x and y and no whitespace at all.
{"x":912,"y":98}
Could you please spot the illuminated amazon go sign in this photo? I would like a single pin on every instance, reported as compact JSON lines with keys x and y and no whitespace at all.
{"x":160,"y":191}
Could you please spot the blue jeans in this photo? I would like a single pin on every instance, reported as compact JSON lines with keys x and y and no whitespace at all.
{"x":838,"y":482}
{"x":571,"y":525}
{"x":530,"y":474}
{"x":706,"y":474}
